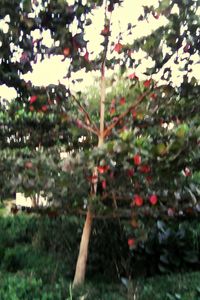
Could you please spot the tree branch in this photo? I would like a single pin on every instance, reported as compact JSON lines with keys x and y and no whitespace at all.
{"x":103,"y":86}
{"x":138,"y":101}
{"x":81,"y":124}
{"x":88,"y":119}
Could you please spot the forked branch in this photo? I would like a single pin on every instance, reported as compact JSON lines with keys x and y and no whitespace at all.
{"x":108,"y":130}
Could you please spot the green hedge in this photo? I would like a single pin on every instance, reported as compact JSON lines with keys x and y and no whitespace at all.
{"x":38,"y":255}
{"x":21,"y":287}
{"x":167,"y":247}
{"x":175,"y":287}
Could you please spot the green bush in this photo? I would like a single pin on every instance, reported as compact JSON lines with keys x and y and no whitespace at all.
{"x":21,"y":287}
{"x":39,"y":250}
{"x":18,"y":229}
{"x":175,"y":287}
{"x":168,"y":248}
{"x":42,"y":244}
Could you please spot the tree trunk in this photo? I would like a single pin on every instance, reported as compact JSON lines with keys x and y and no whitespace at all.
{"x":83,"y":251}
{"x":81,"y":264}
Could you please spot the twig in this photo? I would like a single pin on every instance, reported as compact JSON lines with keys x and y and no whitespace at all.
{"x":85,"y":113}
{"x":111,"y":126}
{"x":81,"y":124}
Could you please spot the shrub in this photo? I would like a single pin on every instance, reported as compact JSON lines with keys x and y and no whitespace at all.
{"x":21,"y":287}
{"x":181,"y":286}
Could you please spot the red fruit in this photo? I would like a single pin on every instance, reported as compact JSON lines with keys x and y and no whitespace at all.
{"x":147,"y":83}
{"x":137,"y":159}
{"x":145,"y":169}
{"x":131,"y":243}
{"x":153,"y":199}
{"x":118,"y":47}
{"x":133,"y":76}
{"x":44,"y":108}
{"x":31,"y":108}
{"x":122,"y":101}
{"x":66,"y":51}
{"x":33,"y":99}
{"x":137,"y":200}
{"x":103,"y":184}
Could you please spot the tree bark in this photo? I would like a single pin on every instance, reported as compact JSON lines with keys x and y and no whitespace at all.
{"x":79,"y":277}
{"x":83,"y":251}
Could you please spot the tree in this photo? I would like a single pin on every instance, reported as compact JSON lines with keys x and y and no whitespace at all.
{"x":134,"y":150}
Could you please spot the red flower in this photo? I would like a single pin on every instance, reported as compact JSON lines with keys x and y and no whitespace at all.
{"x":130,"y":172}
{"x":106,"y":30}
{"x":102,"y":169}
{"x":31,"y":108}
{"x":145,"y":169}
{"x":134,"y":114}
{"x":79,"y":124}
{"x":44,"y":108}
{"x":33,"y":99}
{"x":112,"y":110}
{"x":156,"y":15}
{"x":147,"y":83}
{"x":131,"y":243}
{"x":137,"y":159}
{"x":28,"y":165}
{"x":187,"y":172}
{"x":153,"y":96}
{"x":118,"y":47}
{"x":133,"y":76}
{"x":93,"y":179}
{"x":153,"y":199}
{"x":103,"y":184}
{"x":137,"y":200}
{"x":170,"y":212}
{"x":122,"y":101}
{"x":66,"y":51}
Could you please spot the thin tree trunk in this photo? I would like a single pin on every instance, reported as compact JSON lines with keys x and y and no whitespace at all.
{"x":79,"y":277}
{"x":83,"y":252}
